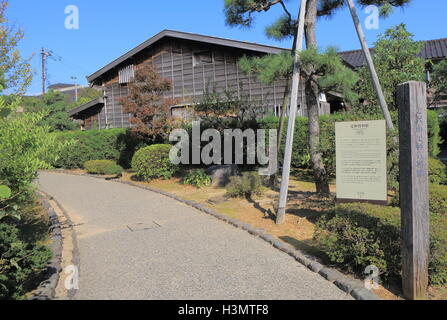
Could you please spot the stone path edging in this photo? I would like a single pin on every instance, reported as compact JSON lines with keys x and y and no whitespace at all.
{"x":350,"y":285}
{"x":46,"y":289}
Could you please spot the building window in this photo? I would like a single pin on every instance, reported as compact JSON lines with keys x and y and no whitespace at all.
{"x":202,"y":57}
{"x":126,"y":74}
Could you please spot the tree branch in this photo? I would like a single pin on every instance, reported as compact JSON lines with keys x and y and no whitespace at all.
{"x":286,"y":11}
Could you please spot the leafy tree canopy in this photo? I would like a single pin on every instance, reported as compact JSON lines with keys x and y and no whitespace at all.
{"x":242,"y":13}
{"x":147,"y":104}
{"x":54,"y":105}
{"x":16,"y":71}
{"x":439,"y":81}
{"x":397,"y":60}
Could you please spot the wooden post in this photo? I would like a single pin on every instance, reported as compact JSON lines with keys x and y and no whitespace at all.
{"x":413,"y":166}
{"x":292,"y":115}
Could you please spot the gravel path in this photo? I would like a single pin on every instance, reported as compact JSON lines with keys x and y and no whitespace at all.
{"x":182,"y":253}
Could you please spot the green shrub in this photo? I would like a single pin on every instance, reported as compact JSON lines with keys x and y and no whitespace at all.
{"x":437,"y":268}
{"x":247,"y":185}
{"x":21,"y":263}
{"x":115,"y":170}
{"x":437,"y":171}
{"x":153,"y":162}
{"x":356,"y":235}
{"x":434,"y":133}
{"x":118,"y":145}
{"x":438,"y":199}
{"x":105,"y":167}
{"x":197,"y":178}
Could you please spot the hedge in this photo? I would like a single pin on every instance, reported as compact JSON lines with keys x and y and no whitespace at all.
{"x":356,"y":235}
{"x":117,"y":145}
{"x":327,"y":133}
{"x":301,"y":155}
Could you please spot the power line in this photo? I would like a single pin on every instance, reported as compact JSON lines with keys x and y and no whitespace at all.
{"x":50,"y":54}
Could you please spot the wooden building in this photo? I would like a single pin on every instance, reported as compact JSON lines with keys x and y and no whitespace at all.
{"x":192,"y":63}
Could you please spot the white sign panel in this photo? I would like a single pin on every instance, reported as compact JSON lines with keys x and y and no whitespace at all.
{"x":361,"y":161}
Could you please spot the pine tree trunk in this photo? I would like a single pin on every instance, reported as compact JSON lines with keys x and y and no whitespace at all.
{"x":319,"y":171}
{"x":312,"y":93}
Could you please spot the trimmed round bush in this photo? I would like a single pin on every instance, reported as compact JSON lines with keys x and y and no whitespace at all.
{"x":104,"y":167}
{"x":153,"y":163}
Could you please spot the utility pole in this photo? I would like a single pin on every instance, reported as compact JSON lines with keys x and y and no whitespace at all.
{"x":76,"y":87}
{"x":372,"y":69}
{"x":44,"y":55}
{"x":292,"y":115}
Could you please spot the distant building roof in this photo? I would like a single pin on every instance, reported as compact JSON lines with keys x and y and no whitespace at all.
{"x":432,"y":50}
{"x":57,"y":86}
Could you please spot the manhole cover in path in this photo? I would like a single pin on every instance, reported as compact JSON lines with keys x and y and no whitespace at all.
{"x":143,"y":226}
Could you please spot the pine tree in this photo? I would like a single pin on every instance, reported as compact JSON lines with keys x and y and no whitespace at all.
{"x":243,"y":12}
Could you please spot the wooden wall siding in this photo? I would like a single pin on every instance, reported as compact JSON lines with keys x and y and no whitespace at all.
{"x":174,"y":60}
{"x":116,"y":117}
{"x":90,"y":118}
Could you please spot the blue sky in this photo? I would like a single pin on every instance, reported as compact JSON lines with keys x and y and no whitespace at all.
{"x":109,"y":28}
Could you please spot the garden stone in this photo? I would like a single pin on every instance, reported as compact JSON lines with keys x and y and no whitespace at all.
{"x":315,"y":266}
{"x":330,"y":274}
{"x":364,"y":294}
{"x":217,"y":200}
{"x":348,"y":285}
{"x":220,"y":174}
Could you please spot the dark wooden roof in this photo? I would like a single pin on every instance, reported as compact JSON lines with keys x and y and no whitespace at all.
{"x":88,"y":105}
{"x":432,"y":50}
{"x":251,"y":46}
